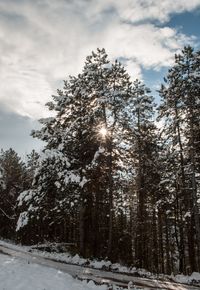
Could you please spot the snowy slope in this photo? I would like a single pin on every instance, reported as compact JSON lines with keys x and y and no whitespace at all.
{"x":36,"y":260}
{"x":17,"y":274}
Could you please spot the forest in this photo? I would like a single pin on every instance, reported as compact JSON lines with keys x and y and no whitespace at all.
{"x":119,"y":176}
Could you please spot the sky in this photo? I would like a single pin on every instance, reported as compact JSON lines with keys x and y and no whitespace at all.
{"x":42,"y":42}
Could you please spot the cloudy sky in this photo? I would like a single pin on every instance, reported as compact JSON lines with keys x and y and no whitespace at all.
{"x":43,"y":41}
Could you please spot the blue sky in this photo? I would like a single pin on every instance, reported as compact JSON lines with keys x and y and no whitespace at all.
{"x":187,"y":22}
{"x":43,"y":41}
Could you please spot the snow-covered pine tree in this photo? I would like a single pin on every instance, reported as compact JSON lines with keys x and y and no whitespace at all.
{"x":146,"y":177}
{"x":31,"y":166}
{"x":167,"y":209}
{"x":180,"y":112}
{"x":77,"y":180}
{"x":13,"y":177}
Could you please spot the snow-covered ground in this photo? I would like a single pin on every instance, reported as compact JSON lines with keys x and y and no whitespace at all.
{"x":18,"y":274}
{"x":194,"y":278}
{"x":76,"y":260}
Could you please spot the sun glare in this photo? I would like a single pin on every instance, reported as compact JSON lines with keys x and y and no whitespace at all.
{"x":103,"y":132}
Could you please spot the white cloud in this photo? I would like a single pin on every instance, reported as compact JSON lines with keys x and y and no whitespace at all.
{"x":140,"y":10}
{"x":42,"y":42}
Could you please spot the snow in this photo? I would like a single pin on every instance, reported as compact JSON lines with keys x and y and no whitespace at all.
{"x":194,"y":277}
{"x":22,"y":220}
{"x":53,"y":153}
{"x":97,"y":154}
{"x":76,"y":259}
{"x":57,"y":184}
{"x":188,"y":214}
{"x":83,"y":182}
{"x":25,"y":196}
{"x":17,"y":274}
{"x":2,"y":185}
{"x":100,"y":264}
{"x":71,"y":177}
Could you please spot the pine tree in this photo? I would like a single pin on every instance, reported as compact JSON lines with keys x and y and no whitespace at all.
{"x":146,"y":177}
{"x":31,"y":166}
{"x":85,"y":140}
{"x":13,"y":175}
{"x":180,"y":111}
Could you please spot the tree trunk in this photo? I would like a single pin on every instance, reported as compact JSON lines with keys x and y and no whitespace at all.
{"x":110,"y":178}
{"x":82,"y":230}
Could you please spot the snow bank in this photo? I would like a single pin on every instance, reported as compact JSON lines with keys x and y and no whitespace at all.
{"x":103,"y":264}
{"x":17,"y":274}
{"x":194,"y":278}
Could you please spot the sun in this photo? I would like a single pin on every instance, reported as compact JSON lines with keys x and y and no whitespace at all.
{"x":103,"y":132}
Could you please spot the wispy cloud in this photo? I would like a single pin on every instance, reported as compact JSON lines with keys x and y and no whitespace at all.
{"x":43,"y":41}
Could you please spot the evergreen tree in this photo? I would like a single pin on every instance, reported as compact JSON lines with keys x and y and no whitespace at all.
{"x":86,"y":139}
{"x":31,"y":166}
{"x":13,"y":175}
{"x":180,"y":110}
{"x":146,"y":177}
{"x":108,"y":179}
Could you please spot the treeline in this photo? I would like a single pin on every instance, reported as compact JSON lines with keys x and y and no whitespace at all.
{"x":16,"y":176}
{"x":118,"y":177}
